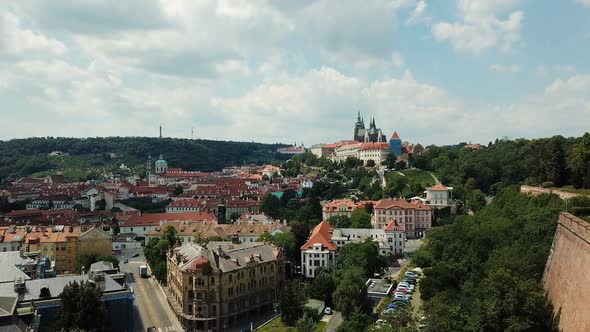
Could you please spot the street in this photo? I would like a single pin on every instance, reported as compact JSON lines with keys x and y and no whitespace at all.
{"x":334,"y":322}
{"x":151,"y":307}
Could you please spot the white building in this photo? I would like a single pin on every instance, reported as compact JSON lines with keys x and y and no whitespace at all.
{"x":376,"y":152}
{"x":316,"y":149}
{"x":324,"y":243}
{"x":342,"y":152}
{"x":439,"y":196}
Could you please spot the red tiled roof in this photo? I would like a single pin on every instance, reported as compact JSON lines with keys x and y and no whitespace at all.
{"x":322,"y":233}
{"x":374,"y":146}
{"x":21,"y":213}
{"x":388,"y":203}
{"x":151,"y":219}
{"x":393,"y":226}
{"x":439,"y":187}
{"x":395,"y":136}
{"x":201,"y":263}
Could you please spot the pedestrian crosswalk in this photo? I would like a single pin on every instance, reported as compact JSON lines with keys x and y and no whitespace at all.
{"x":167,"y":329}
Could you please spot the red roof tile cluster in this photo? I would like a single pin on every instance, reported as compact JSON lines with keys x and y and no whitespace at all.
{"x":374,"y":146}
{"x":388,"y":203}
{"x":154,"y":219}
{"x":322,"y":233}
{"x":395,"y":136}
{"x":439,"y":187}
{"x":394,"y":226}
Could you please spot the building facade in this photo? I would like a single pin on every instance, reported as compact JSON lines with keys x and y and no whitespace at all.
{"x":395,"y":144}
{"x":439,"y":196}
{"x":377,"y":152}
{"x":415,"y":217}
{"x":223,"y":285}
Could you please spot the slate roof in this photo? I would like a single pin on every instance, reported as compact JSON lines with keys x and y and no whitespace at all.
{"x":7,"y":305}
{"x":55,"y":285}
{"x":8,"y":273}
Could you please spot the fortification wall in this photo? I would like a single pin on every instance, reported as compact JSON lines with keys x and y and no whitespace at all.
{"x":567,"y":273}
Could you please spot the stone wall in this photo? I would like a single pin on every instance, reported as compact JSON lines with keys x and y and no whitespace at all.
{"x":567,"y":273}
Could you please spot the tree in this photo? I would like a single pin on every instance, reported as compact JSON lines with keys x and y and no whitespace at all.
{"x":401,"y":165}
{"x":390,"y":160}
{"x":234,"y":216}
{"x":81,"y":308}
{"x":363,"y":255}
{"x":351,"y":295}
{"x":476,"y":200}
{"x":271,"y":206}
{"x":305,"y":324}
{"x":357,"y":322}
{"x":323,"y":285}
{"x":580,"y":161}
{"x":339,"y":221}
{"x":370,"y":163}
{"x":291,"y":303}
{"x":360,"y":219}
{"x":287,"y":196}
{"x":178,"y":190}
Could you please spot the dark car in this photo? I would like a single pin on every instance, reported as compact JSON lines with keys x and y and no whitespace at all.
{"x":135,"y":255}
{"x":151,"y":329}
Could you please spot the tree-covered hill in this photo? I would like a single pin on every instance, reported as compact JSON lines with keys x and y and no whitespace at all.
{"x":23,"y":157}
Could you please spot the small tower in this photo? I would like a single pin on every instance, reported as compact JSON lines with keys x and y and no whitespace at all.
{"x":160,"y":131}
{"x":148,"y":166}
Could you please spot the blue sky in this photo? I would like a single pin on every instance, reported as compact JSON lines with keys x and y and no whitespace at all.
{"x":438,"y":72}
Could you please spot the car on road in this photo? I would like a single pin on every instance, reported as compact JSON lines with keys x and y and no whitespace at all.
{"x":328,"y":311}
{"x":125,"y":261}
{"x":135,"y":255}
{"x":151,"y":329}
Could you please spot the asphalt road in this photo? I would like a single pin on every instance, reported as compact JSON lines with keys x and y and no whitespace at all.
{"x":334,"y":322}
{"x":151,"y":307}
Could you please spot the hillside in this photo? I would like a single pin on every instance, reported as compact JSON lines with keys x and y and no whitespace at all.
{"x":24,"y":157}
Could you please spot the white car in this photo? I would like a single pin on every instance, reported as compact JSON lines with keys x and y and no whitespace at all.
{"x":328,"y":311}
{"x":401,"y":297}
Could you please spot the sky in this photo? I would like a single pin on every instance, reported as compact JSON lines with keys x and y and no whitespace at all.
{"x":437,"y":72}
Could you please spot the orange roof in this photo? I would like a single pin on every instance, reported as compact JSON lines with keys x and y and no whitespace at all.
{"x":439,"y":187}
{"x":322,"y":233}
{"x":388,"y":203}
{"x":154,"y":219}
{"x":393,"y":226}
{"x":201,"y":263}
{"x":395,"y":136}
{"x":375,"y":146}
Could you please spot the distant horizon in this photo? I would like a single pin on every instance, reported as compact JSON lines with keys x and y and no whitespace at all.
{"x":286,"y":143}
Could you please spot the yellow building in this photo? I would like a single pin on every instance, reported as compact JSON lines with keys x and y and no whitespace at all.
{"x":59,"y":243}
{"x":214,"y":289}
{"x":95,"y":241}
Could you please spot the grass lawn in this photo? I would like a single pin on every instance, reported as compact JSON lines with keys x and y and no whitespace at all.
{"x":276,"y":325}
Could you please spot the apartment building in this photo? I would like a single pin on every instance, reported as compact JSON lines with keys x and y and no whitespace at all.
{"x":414,"y":217}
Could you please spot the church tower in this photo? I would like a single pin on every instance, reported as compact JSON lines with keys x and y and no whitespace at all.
{"x":359,"y":127}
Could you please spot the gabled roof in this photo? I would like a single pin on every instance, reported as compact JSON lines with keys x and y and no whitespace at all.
{"x":438,"y":187}
{"x":388,"y":203}
{"x":393,"y":226}
{"x":322,"y":233}
{"x":395,"y":136}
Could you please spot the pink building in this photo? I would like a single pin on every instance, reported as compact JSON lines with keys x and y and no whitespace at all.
{"x":414,"y":217}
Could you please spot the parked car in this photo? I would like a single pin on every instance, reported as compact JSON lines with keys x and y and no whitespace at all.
{"x":380,"y":322}
{"x":328,"y":311}
{"x":412,"y":274}
{"x":401,"y":290}
{"x":151,"y":329}
{"x":125,"y":261}
{"x":135,"y":255}
{"x":391,"y":306}
{"x":390,"y":311}
{"x":401,"y":297}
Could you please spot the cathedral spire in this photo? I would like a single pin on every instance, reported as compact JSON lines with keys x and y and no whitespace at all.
{"x":358,"y":117}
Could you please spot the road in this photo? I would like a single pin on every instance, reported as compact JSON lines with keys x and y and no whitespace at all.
{"x":151,"y":307}
{"x":334,"y":322}
{"x":434,"y":177}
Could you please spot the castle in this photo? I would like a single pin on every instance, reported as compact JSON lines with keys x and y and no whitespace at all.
{"x":371,"y":135}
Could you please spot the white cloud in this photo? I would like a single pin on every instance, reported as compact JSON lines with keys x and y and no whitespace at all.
{"x":398,"y":60}
{"x":417,"y":13}
{"x":18,"y":41}
{"x":540,"y":71}
{"x":480,"y":28}
{"x":513,"y":68}
{"x":585,"y":3}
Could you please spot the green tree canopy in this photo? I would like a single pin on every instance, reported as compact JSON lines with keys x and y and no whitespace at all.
{"x":351,"y":295}
{"x":81,"y":308}
{"x":360,"y":219}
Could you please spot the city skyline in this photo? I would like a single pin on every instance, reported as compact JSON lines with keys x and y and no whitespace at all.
{"x":472,"y":71}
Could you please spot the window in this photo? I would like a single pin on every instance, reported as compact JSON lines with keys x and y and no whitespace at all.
{"x":214,"y":310}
